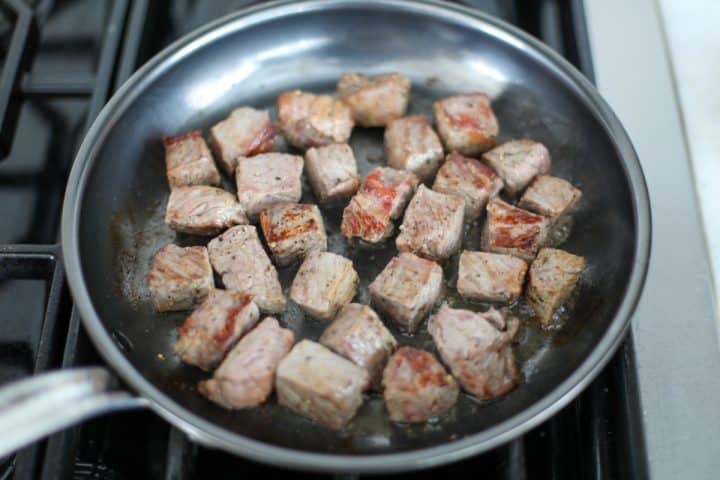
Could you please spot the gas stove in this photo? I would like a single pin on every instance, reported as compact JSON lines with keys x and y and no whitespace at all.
{"x":62,"y":61}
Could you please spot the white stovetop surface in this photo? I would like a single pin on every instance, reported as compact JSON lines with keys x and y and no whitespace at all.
{"x":693,"y":38}
{"x":657,"y":64}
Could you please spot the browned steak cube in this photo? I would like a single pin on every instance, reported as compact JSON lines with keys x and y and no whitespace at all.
{"x":332,"y":172}
{"x":470,"y":179}
{"x":321,"y":385}
{"x":433,"y":224}
{"x":407,"y":289}
{"x":490,"y":277}
{"x":550,"y":196}
{"x":202,"y":210}
{"x":247,"y":376}
{"x":214,"y":327}
{"x":466,"y":123}
{"x":518,"y":162}
{"x":411,"y":144}
{"x":377,"y":100}
{"x":478,"y":349}
{"x":512,"y":230}
{"x":180,"y":278}
{"x":382,"y":197}
{"x":292,"y":230}
{"x":244,"y":133}
{"x":239,"y":258}
{"x":417,"y":387}
{"x":552,"y":277}
{"x":188,"y":160}
{"x":324,"y":283}
{"x":268,"y":179}
{"x":359,"y":335}
{"x":308,"y":120}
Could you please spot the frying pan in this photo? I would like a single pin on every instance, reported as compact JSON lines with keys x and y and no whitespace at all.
{"x":112,"y":224}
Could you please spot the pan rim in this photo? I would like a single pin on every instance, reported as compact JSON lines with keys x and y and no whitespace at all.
{"x":212,"y":435}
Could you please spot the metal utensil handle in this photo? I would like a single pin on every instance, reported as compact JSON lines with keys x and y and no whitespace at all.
{"x":41,"y":405}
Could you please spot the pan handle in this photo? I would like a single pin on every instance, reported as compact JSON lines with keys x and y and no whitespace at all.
{"x":43,"y":404}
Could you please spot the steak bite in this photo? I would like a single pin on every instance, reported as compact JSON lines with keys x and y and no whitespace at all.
{"x":407,"y":289}
{"x":292,"y":230}
{"x":411,"y":144}
{"x":470,"y":179}
{"x":393,"y":188}
{"x":518,"y":162}
{"x":359,"y":335}
{"x":321,"y":385}
{"x":309,"y":120}
{"x":332,"y":172}
{"x":247,"y":376}
{"x":202,"y":210}
{"x":552,"y":277}
{"x":188,"y":160}
{"x":477,"y":348}
{"x":513,"y":231}
{"x":490,"y":277}
{"x":268,"y":179}
{"x":417,"y":387}
{"x":179,"y":278}
{"x":377,"y":100}
{"x":381,"y":199}
{"x":324,"y":283}
{"x":214,"y":327}
{"x":466,"y":123}
{"x":244,"y":133}
{"x":239,"y":258}
{"x":550,"y":196}
{"x":433,"y":225}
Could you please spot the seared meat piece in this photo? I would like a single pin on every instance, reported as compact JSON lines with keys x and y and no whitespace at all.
{"x":477,"y":348}
{"x":466,"y":123}
{"x":407,"y":289}
{"x":490,"y":277}
{"x":381,"y":198}
{"x":359,"y":335}
{"x":324,"y":283}
{"x":292,"y":230}
{"x":188,"y":160}
{"x":367,"y":218}
{"x":309,"y":120}
{"x":518,"y":162}
{"x":238,"y":256}
{"x":411,"y":144}
{"x":417,"y":387}
{"x":513,"y":230}
{"x":433,"y":225}
{"x":320,"y":385}
{"x":332,"y":172}
{"x":550,"y":196}
{"x":268,"y":179}
{"x":202,"y":210}
{"x":552,"y":277}
{"x":244,"y":133}
{"x":375,"y":101}
{"x":470,"y":179}
{"x":247,"y":376}
{"x":214,"y":327}
{"x":180,"y":278}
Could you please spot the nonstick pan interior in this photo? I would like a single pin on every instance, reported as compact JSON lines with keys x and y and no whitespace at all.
{"x":120,"y":216}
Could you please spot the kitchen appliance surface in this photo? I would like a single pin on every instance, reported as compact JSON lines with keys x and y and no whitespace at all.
{"x":63,"y":60}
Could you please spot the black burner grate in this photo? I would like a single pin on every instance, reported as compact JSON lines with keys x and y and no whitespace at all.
{"x":61,"y":62}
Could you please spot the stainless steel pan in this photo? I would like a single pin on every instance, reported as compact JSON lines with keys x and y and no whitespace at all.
{"x":112,"y":223}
